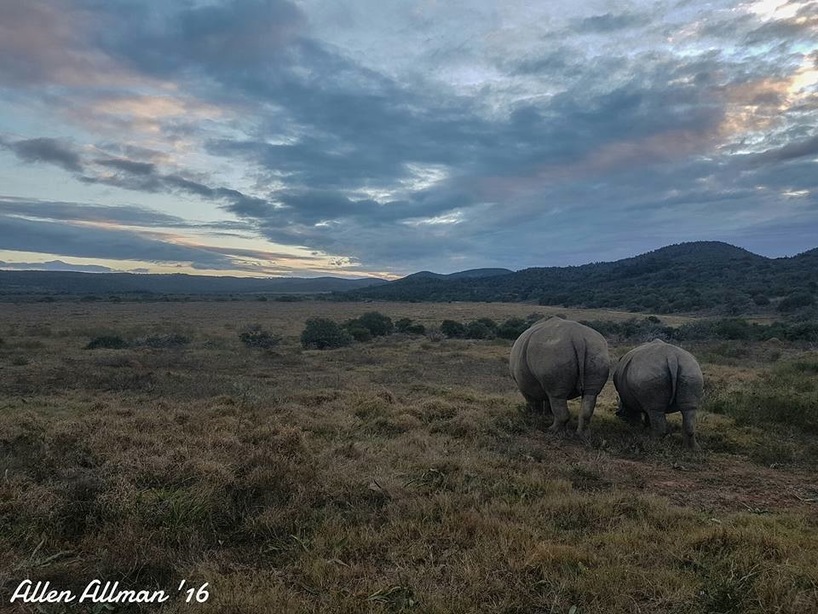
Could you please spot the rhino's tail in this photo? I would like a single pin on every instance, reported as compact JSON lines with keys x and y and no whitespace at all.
{"x":580,"y":354}
{"x":673,"y":369}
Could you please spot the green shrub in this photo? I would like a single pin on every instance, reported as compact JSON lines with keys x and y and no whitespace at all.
{"x":484,"y":328}
{"x":256,"y":337}
{"x":795,"y":301}
{"x":512,"y":328}
{"x":376,"y":323}
{"x":802,"y":331}
{"x":324,"y":334}
{"x":406,"y":325}
{"x":732,"y":328}
{"x":113,"y":342}
{"x":452,"y":329}
{"x":358,"y":331}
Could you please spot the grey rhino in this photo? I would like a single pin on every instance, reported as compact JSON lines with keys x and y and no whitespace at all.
{"x":655,"y":379}
{"x":556,"y":360}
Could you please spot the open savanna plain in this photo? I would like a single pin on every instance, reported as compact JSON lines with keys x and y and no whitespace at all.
{"x":400,"y":474}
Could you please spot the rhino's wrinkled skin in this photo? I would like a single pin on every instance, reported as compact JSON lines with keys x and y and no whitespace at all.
{"x":655,"y":379}
{"x":556,"y":360}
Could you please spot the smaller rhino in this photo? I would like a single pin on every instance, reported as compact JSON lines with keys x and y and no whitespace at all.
{"x":655,"y":379}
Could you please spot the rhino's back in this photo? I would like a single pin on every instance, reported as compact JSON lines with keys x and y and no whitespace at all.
{"x":559,"y":358}
{"x":659,"y":375}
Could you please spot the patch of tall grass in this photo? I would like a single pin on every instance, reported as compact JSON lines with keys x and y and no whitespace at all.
{"x":786,"y":395}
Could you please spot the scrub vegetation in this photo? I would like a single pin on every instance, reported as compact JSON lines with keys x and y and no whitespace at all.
{"x":399,"y":473}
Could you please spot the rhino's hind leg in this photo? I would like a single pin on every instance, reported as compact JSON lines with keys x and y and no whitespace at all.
{"x":546,"y":407}
{"x":658,"y":423}
{"x":538,"y":406}
{"x":689,"y":429}
{"x":585,"y":413}
{"x":559,"y":407}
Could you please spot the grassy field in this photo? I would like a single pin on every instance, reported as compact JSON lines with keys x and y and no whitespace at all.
{"x":397,"y":475}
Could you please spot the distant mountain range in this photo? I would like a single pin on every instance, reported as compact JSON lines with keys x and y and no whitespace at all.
{"x":687,"y":277}
{"x":72,"y":283}
{"x":679,"y":278}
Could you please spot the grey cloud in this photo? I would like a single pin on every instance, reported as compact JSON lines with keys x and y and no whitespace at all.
{"x":19,"y":234}
{"x":552,"y":63}
{"x":234,"y":35}
{"x":151,"y":181}
{"x":51,"y":151}
{"x":790,"y":151}
{"x":66,"y":211}
{"x":238,"y":33}
{"x":235,"y":201}
{"x":610,"y":22}
{"x":129,"y":166}
{"x":313,"y":206}
{"x":134,"y":175}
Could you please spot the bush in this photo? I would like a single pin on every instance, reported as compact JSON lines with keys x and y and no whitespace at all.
{"x":256,"y":337}
{"x":406,"y":325}
{"x":113,"y":342}
{"x":802,"y":331}
{"x":512,"y":328}
{"x":324,"y":334}
{"x":358,"y":331}
{"x":733,"y":328}
{"x":452,"y":329}
{"x":484,"y":328}
{"x":376,"y":323}
{"x":796,"y":301}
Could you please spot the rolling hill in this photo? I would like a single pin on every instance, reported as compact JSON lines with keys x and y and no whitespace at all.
{"x":684,"y":277}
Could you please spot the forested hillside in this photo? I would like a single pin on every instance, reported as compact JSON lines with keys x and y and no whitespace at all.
{"x":678,"y":278}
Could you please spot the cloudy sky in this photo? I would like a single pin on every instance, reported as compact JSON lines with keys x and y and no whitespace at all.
{"x":383,"y":137}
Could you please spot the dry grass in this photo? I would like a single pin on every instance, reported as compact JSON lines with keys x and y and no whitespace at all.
{"x":395,"y":475}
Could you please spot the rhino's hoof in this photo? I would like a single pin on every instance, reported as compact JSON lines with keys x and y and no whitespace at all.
{"x":557,"y":429}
